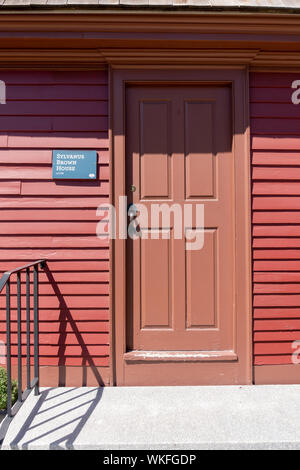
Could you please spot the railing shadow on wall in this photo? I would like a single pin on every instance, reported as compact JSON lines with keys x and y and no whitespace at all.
{"x":64,"y":319}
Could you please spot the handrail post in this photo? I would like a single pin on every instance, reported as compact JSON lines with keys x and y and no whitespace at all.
{"x":8,"y":348}
{"x":36,"y":326}
{"x":28,"y":325}
{"x":19,"y":334}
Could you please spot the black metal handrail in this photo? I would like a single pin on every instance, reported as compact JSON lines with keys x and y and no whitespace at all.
{"x":5,"y":281}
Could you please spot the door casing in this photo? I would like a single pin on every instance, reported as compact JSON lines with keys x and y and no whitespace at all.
{"x":237,"y":77}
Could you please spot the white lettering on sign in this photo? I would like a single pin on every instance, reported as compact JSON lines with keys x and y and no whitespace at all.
{"x":296,"y":94}
{"x":67,"y":162}
{"x":65,"y":168}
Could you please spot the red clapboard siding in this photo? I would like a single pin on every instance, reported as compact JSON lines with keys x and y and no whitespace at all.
{"x":278,"y":312}
{"x":275,"y":173}
{"x":45,"y":123}
{"x":274,"y":348}
{"x":65,"y":289}
{"x":274,"y":110}
{"x":39,"y":172}
{"x":77,"y":266}
{"x":276,"y":230}
{"x":276,"y":188}
{"x":268,"y":94}
{"x":10,"y":187}
{"x":50,"y":214}
{"x":278,"y":203}
{"x":57,"y":188}
{"x":55,"y":339}
{"x":276,"y":243}
{"x":53,"y":92}
{"x":38,"y":157}
{"x":276,"y":336}
{"x":59,"y":140}
{"x":56,"y":220}
{"x":85,"y":325}
{"x":23,"y":228}
{"x":43,"y":241}
{"x":260,"y":288}
{"x":55,"y":108}
{"x":273,"y":360}
{"x":281,"y":159}
{"x":54,"y":78}
{"x":276,"y":217}
{"x":274,"y":126}
{"x":276,"y":277}
{"x":275,"y":143}
{"x":278,"y":324}
{"x":69,"y":350}
{"x":275,"y":254}
{"x":290,"y":300}
{"x":276,"y":266}
{"x":70,"y":301}
{"x":54,"y":202}
{"x":58,"y":254}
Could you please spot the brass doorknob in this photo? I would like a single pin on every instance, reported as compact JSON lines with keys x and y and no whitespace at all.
{"x":132,"y":188}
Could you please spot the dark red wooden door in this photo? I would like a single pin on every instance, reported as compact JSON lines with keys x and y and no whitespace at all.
{"x":181,"y":303}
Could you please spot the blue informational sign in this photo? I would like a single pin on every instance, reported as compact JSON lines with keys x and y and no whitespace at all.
{"x":74,"y":164}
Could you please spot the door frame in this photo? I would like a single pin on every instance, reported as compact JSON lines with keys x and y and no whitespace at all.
{"x":237,"y":77}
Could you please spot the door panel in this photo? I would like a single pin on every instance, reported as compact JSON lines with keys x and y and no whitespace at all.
{"x":202,"y":284}
{"x":155,"y":148}
{"x":200,"y":171}
{"x":181,"y":308}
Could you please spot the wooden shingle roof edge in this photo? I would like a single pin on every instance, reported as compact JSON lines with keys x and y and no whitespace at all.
{"x":280,"y":6}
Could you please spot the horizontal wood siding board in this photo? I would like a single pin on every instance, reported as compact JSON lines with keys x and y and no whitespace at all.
{"x":272,"y":80}
{"x":276,"y":336}
{"x":88,"y":321}
{"x":282,"y":288}
{"x":56,"y":219}
{"x":56,"y":124}
{"x":77,"y":140}
{"x":38,"y":157}
{"x":63,"y":188}
{"x":264,"y":242}
{"x":40,"y":172}
{"x":273,"y":359}
{"x":275,"y":147}
{"x":280,"y":159}
{"x":269,"y":95}
{"x":55,"y":108}
{"x":54,"y":201}
{"x":274,"y":110}
{"x":277,"y":312}
{"x":73,"y":265}
{"x":275,"y":142}
{"x":58,"y":214}
{"x":276,"y":217}
{"x":275,"y":203}
{"x":56,"y":241}
{"x":276,"y":254}
{"x":276,"y":173}
{"x":33,"y":227}
{"x":275,"y":277}
{"x":54,"y":78}
{"x":54,"y":92}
